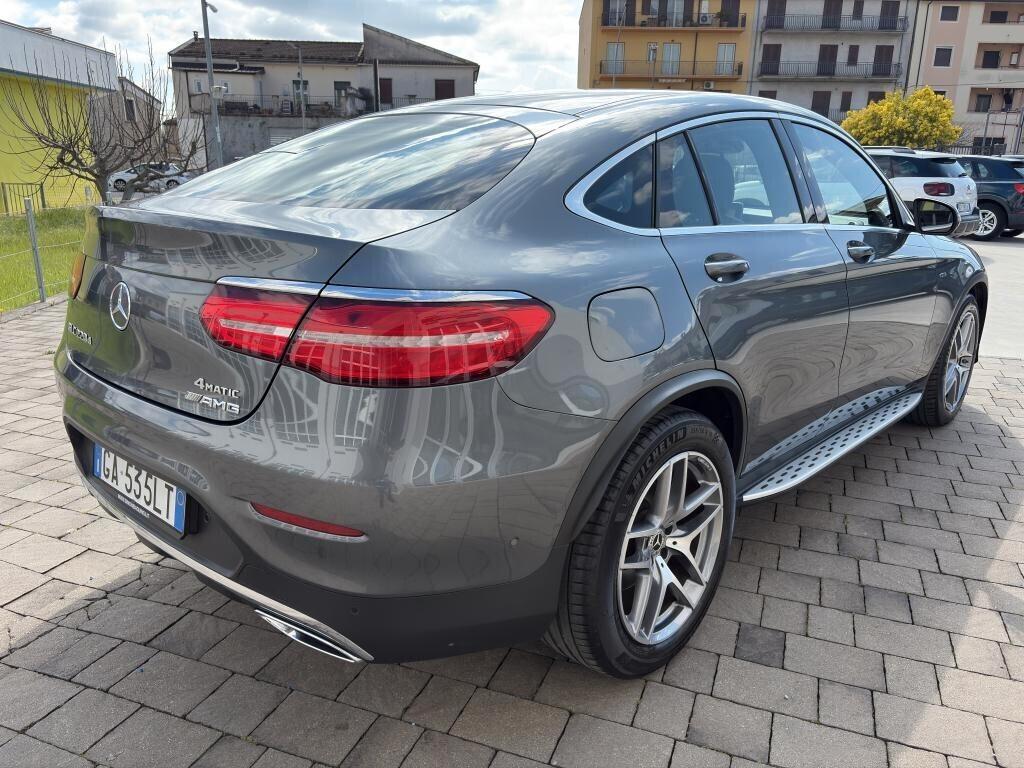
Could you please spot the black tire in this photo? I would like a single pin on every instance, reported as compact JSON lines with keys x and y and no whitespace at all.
{"x":933,"y":410}
{"x":171,"y":184}
{"x":1012,"y":232}
{"x":588,"y":627}
{"x":1000,"y":215}
{"x":120,"y":184}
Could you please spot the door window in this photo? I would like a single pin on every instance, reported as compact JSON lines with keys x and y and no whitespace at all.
{"x":726,"y":62}
{"x":624,"y":193}
{"x":681,"y":200}
{"x":853,"y":193}
{"x":746,"y":173}
{"x":614,"y":54}
{"x":670,"y":58}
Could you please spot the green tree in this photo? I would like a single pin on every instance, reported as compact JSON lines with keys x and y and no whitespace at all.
{"x":921,"y":119}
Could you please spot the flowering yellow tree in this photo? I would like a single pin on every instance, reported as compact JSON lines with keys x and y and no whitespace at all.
{"x":921,"y":119}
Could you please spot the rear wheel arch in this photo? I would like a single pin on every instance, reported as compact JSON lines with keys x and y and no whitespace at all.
{"x":980,"y":293}
{"x":994,"y":201}
{"x":709,"y":392}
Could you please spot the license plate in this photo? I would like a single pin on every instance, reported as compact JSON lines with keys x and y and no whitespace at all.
{"x":142,"y":491}
{"x":963,"y":207}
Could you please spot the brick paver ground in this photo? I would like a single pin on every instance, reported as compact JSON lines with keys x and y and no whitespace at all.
{"x":873,"y":617}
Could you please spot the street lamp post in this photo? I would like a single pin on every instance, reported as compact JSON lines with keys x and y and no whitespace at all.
{"x":218,"y":150}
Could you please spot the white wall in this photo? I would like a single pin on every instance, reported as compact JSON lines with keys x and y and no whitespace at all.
{"x":39,"y":54}
{"x":418,"y":81}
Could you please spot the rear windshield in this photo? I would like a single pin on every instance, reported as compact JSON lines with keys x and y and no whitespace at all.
{"x":996,"y":170}
{"x":418,"y":162}
{"x":935,"y":168}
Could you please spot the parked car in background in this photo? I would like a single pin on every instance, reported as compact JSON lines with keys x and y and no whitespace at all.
{"x":458,"y":375}
{"x":167,"y":176}
{"x":936,"y":176}
{"x":1000,"y":183}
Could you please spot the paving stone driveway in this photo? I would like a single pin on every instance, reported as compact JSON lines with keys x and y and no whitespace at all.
{"x":873,"y":617}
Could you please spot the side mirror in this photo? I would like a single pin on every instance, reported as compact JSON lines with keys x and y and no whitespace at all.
{"x":935,"y":218}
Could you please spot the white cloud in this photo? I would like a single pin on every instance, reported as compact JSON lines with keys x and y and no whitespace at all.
{"x":519,"y":44}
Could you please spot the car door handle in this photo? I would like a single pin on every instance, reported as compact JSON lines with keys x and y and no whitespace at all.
{"x":860,"y":252}
{"x":723,"y":266}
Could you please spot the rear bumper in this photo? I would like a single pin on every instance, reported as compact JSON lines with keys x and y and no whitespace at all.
{"x":450,"y":563}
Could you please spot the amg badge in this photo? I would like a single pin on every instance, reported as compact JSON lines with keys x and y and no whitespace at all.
{"x":215,"y":396}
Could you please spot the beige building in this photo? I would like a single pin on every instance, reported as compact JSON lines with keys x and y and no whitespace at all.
{"x":831,"y":56}
{"x":672,"y":44}
{"x":971,"y":52}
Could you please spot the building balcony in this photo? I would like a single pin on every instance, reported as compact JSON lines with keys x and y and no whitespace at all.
{"x":887,"y":25}
{"x":261,"y":105}
{"x":837,"y":115}
{"x":675,"y":20}
{"x":661,"y":70}
{"x":827,"y":70}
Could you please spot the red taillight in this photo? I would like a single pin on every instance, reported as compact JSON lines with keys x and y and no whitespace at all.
{"x":938,"y":188}
{"x":252,"y":321}
{"x":301,"y":521}
{"x":396,"y":344}
{"x":1019,"y":189}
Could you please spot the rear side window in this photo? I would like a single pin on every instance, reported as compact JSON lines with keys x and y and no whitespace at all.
{"x":994,"y":170}
{"x":853,"y":193}
{"x":746,"y":173}
{"x":917,"y":167}
{"x":681,"y":200}
{"x":624,"y":194}
{"x":417,"y":162}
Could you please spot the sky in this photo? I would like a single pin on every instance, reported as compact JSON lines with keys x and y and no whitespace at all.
{"x":519,"y":44}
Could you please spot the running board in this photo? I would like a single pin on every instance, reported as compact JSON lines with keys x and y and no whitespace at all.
{"x":819,"y":456}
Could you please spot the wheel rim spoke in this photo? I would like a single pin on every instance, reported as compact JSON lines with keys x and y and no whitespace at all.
{"x":670,"y":548}
{"x":960,"y":361}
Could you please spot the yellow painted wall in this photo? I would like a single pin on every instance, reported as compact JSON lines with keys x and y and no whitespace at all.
{"x":697,"y":44}
{"x":19,"y":155}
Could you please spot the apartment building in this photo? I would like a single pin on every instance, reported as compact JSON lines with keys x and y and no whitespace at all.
{"x":269,"y":91}
{"x":672,"y":44}
{"x":971,"y":52}
{"x":831,"y":56}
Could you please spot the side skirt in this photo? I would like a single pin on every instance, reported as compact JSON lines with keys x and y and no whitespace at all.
{"x":819,"y":456}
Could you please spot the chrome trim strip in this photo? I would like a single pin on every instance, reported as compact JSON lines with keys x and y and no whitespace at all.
{"x":574,"y":197}
{"x":245,"y":593}
{"x":814,"y":459}
{"x":270,"y":284}
{"x":721,"y":117}
{"x":400,"y":294}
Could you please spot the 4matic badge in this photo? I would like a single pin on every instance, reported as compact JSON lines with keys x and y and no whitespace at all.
{"x":215,"y":396}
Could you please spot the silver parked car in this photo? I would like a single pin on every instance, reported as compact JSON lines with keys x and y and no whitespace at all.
{"x":167,"y":176}
{"x":476,"y":371}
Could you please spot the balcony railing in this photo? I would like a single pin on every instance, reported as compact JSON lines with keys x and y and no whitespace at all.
{"x":241,"y":104}
{"x":817,"y":69}
{"x":402,"y":101}
{"x":837,"y":115}
{"x":675,"y":20}
{"x":817,"y":23}
{"x":661,"y":68}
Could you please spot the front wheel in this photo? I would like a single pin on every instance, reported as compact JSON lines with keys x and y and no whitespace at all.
{"x":120,"y":185}
{"x":946,"y":387}
{"x":993,"y":222}
{"x":643,"y":570}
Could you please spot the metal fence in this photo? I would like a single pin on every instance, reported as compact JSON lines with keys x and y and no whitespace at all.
{"x":38,"y":256}
{"x":819,"y":22}
{"x":971,"y":149}
{"x":53,"y":194}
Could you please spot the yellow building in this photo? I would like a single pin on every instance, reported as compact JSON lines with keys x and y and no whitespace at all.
{"x":672,"y":44}
{"x":41,"y":67}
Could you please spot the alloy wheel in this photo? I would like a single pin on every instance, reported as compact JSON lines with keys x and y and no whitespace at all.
{"x":988,"y":223}
{"x":960,"y":361}
{"x":670,"y":548}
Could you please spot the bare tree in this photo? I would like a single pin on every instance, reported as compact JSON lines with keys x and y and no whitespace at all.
{"x":106,"y":122}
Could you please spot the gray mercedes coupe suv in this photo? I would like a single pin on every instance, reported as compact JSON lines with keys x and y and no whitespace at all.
{"x":481,"y":370}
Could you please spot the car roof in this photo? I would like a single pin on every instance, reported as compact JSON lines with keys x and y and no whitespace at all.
{"x":1001,"y":158}
{"x":908,"y":152}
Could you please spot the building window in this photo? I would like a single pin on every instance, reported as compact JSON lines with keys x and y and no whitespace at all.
{"x":852,"y":54}
{"x":940,"y":93}
{"x":943,"y":57}
{"x":129,"y":109}
{"x":444,"y":89}
{"x":983,"y":102}
{"x":614,"y":55}
{"x":990,"y":60}
{"x":874,"y":96}
{"x":998,"y":17}
{"x":670,"y":53}
{"x":768,"y":94}
{"x":858,"y":10}
{"x":949,"y":13}
{"x":199,"y":86}
{"x":725,"y":64}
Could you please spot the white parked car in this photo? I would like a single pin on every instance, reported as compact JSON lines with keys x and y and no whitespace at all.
{"x":917,"y":174}
{"x":171,"y":176}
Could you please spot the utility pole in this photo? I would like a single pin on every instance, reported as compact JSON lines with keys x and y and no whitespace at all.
{"x":218,"y":148}
{"x":302,"y":87}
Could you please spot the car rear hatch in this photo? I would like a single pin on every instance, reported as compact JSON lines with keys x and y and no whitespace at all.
{"x":279,"y":223}
{"x":152,"y":270}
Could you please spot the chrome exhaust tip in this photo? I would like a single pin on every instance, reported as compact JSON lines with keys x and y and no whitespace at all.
{"x":308,"y":637}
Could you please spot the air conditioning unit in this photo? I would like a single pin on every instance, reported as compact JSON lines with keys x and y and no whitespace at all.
{"x":706,"y":19}
{"x":709,"y":85}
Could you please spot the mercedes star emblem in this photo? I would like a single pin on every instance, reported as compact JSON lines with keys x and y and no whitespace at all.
{"x":120,"y":306}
